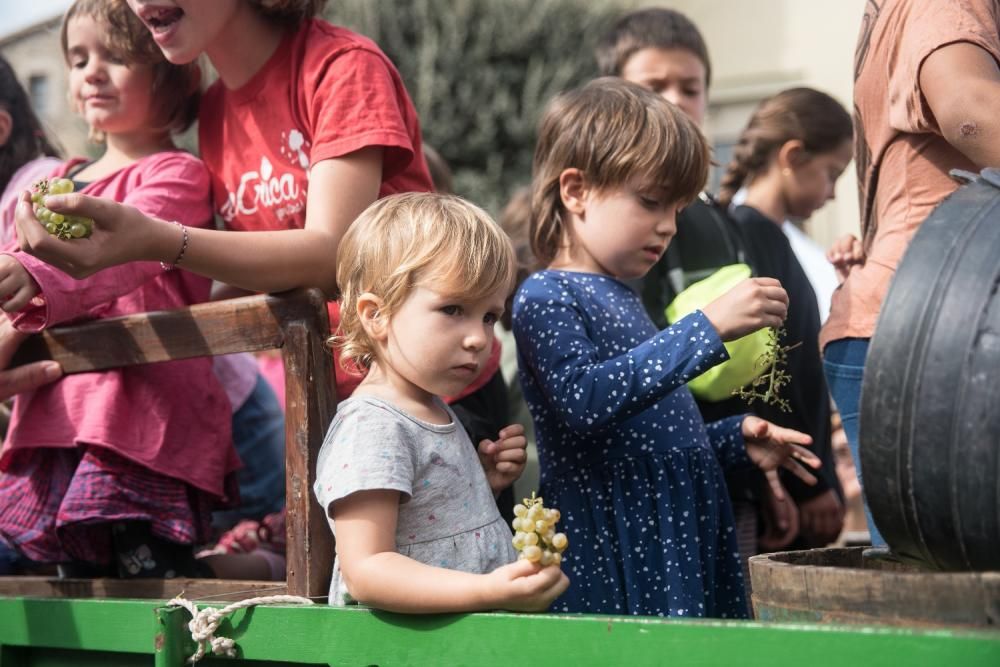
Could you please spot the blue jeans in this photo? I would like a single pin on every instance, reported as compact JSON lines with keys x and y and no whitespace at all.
{"x":844,"y":365}
{"x":259,"y":438}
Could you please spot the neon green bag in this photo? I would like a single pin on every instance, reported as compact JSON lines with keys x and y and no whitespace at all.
{"x":719,"y":382}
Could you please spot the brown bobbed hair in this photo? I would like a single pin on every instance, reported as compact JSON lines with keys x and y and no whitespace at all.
{"x":619,"y":135}
{"x":176,"y":88}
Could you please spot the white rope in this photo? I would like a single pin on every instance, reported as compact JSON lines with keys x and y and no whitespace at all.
{"x":206,"y":621}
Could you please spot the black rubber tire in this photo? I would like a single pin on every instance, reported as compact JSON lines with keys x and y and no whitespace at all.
{"x":930,"y":402}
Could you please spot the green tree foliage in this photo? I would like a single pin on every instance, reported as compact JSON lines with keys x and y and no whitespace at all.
{"x":480,"y":73}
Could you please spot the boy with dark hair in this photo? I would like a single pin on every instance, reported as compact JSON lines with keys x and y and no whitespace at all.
{"x":655,"y":28}
{"x":662,"y":50}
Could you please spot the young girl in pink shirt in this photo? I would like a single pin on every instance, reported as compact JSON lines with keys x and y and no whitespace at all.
{"x":115,"y":472}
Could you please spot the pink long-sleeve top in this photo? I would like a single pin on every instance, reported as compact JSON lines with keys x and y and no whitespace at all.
{"x":172,"y":417}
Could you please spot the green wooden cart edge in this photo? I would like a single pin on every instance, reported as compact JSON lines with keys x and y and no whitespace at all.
{"x":42,"y":632}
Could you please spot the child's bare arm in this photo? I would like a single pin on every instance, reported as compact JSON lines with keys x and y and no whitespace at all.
{"x":961,"y":84}
{"x":753,"y":304}
{"x":378,"y":576}
{"x":266,"y":261}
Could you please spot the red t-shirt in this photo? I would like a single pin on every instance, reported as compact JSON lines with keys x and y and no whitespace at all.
{"x":325,"y":93}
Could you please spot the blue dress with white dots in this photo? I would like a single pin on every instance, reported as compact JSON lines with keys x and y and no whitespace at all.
{"x":624,"y":453}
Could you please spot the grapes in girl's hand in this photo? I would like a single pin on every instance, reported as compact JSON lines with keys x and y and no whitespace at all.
{"x":536,"y":537}
{"x":57,"y":224}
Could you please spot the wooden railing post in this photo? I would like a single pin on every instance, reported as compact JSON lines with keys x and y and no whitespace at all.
{"x":310,"y":400}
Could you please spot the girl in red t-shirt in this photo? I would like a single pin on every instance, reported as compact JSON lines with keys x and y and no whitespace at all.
{"x":307,"y":125}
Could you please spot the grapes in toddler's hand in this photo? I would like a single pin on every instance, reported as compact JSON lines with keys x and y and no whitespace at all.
{"x":57,"y":224}
{"x":536,"y":538}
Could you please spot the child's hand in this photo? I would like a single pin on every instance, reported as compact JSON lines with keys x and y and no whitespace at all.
{"x":753,"y":304}
{"x":17,"y":287}
{"x":771,"y":447}
{"x":781,"y":521}
{"x":525,"y":586}
{"x":822,"y":518}
{"x":503,"y":459}
{"x":845,"y":253}
{"x":120,"y":234}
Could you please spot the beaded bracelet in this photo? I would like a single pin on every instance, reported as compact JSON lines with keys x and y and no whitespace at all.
{"x":184,"y":247}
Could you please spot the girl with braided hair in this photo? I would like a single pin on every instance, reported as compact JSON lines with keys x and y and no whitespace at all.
{"x":788,"y":159}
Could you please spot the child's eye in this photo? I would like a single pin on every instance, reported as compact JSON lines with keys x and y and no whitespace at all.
{"x":78,"y":64}
{"x":649,"y":202}
{"x":452,"y":310}
{"x":491,"y":318}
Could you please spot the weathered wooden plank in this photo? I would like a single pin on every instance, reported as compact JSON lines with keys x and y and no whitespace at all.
{"x":310,"y":401}
{"x":297,"y":323}
{"x":246,"y":324}
{"x":143,"y":589}
{"x":838,"y":586}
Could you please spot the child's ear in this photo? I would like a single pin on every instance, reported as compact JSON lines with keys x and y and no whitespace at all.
{"x":792,"y":154}
{"x":373,"y":319}
{"x":573,"y":190}
{"x":6,"y":125}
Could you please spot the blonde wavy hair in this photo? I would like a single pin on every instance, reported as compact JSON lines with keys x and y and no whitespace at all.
{"x":619,"y":135}
{"x":416,"y":239}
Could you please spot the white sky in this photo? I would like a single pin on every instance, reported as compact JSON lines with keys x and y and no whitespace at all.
{"x":17,"y":14}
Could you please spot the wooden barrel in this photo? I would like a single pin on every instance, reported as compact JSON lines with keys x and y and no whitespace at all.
{"x":930,"y":404}
{"x":839,"y":586}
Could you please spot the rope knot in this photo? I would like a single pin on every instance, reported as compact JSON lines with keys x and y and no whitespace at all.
{"x":205,"y":622}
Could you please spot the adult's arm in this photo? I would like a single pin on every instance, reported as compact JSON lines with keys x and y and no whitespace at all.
{"x":960,"y":83}
{"x":23,"y":378}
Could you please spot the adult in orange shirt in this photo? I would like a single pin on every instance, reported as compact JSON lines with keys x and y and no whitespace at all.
{"x":939,"y":63}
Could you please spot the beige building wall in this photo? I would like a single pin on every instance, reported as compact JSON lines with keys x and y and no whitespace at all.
{"x":759,"y":47}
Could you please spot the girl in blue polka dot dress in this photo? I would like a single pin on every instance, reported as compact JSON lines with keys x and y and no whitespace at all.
{"x":623,"y":451}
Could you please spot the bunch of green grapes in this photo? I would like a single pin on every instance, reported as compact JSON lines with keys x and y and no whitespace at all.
{"x":536,"y":537}
{"x":57,"y":224}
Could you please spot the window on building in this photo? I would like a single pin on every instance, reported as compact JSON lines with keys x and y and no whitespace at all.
{"x":39,"y":92}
